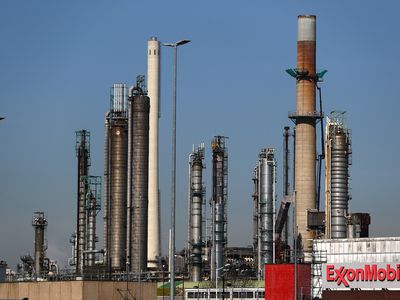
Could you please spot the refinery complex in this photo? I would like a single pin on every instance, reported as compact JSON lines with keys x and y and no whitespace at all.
{"x":306,"y":243}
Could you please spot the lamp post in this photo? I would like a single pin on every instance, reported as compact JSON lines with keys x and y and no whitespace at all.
{"x":216,"y":281}
{"x":163,"y":280}
{"x":173,"y":196}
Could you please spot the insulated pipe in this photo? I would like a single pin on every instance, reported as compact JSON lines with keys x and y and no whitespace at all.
{"x":106,"y":181}
{"x":129,"y":188}
{"x":153,"y":83}
{"x":305,"y":160}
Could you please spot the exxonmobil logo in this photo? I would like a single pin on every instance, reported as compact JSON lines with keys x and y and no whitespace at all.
{"x":359,"y":275}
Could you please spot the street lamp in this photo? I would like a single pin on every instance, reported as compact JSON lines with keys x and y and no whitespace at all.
{"x":173,"y":200}
{"x":216,"y":281}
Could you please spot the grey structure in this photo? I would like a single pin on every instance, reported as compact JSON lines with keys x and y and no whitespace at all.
{"x":138,"y":156}
{"x":339,"y":147}
{"x":115,"y":179}
{"x":219,"y":204}
{"x":266,"y":204}
{"x":255,"y":214}
{"x":39,"y":223}
{"x":196,"y":212}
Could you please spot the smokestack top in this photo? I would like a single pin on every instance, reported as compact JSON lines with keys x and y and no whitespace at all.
{"x":306,"y":28}
{"x":153,"y":38}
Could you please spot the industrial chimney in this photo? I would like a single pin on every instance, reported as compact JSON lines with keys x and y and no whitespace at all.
{"x":153,"y":83}
{"x":305,"y":118}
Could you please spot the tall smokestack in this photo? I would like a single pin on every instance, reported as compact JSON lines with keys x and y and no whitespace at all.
{"x":153,"y":83}
{"x":305,"y":117}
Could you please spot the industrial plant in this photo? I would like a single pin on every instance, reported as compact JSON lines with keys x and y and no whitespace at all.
{"x":300,"y":247}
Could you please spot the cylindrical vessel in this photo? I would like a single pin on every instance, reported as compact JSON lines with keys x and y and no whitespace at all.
{"x":219,"y":199}
{"x":305,"y":159}
{"x":266,"y":199}
{"x":339,"y":184}
{"x":39,"y":241}
{"x":255,"y":211}
{"x":39,"y":222}
{"x":115,"y":179}
{"x":153,"y":84}
{"x":118,"y":193}
{"x":139,"y":149}
{"x":196,"y":215}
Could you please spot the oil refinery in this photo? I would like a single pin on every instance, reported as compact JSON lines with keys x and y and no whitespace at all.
{"x":301,"y":247}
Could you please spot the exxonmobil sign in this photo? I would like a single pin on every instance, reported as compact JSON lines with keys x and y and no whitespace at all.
{"x":361,"y":275}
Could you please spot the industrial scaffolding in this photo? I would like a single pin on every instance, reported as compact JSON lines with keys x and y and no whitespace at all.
{"x":88,"y":206}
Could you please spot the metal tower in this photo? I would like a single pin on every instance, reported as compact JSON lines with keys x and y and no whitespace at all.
{"x":39,"y":223}
{"x":338,"y":159}
{"x":196,"y":196}
{"x":219,"y":203}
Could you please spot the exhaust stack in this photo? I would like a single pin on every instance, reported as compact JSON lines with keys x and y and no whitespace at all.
{"x":305,"y":118}
{"x":153,"y":82}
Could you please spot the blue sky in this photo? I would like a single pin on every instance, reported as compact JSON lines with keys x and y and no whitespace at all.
{"x":59,"y":59}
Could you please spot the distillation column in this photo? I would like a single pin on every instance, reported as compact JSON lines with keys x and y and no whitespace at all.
{"x":196,"y":211}
{"x":286,"y":184}
{"x":266,"y":166}
{"x":338,"y":148}
{"x":138,"y":157}
{"x":153,"y":83}
{"x":83,"y":154}
{"x":92,"y":207}
{"x":219,"y":204}
{"x":255,"y":214}
{"x":115,"y":179}
{"x":305,"y":140}
{"x":39,"y":222}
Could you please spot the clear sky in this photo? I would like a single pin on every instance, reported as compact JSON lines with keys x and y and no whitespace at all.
{"x":58,"y":60}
